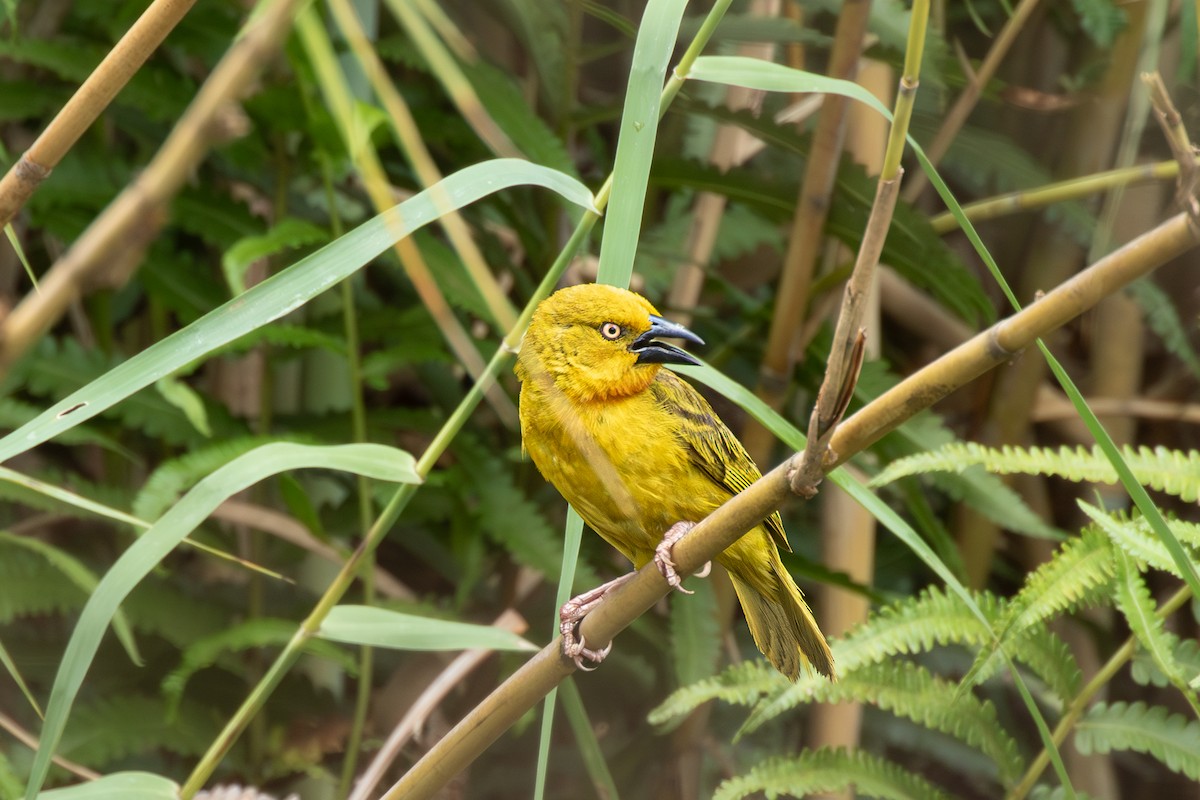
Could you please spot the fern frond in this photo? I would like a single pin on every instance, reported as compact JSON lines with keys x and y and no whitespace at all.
{"x":740,"y":684}
{"x":172,"y":478}
{"x":1134,"y":601}
{"x":985,"y":493}
{"x":1135,"y":537}
{"x":911,"y":691}
{"x":1184,"y":652}
{"x":828,"y":771}
{"x":30,"y":586}
{"x":1078,"y":574}
{"x":1171,"y":471}
{"x":211,"y":650}
{"x":114,"y":727}
{"x":1171,"y":738}
{"x":911,"y":625}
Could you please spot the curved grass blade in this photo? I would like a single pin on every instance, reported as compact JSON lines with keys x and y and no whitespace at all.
{"x":125,"y":785}
{"x":372,"y":460}
{"x":288,"y":290}
{"x":381,"y":627}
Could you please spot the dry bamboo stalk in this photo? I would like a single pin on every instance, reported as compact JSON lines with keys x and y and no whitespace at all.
{"x":508,"y":703}
{"x":728,"y":143}
{"x":450,"y":678}
{"x":804,"y":238}
{"x":85,"y":106}
{"x":847,"y":529}
{"x":409,"y":137}
{"x":108,"y":251}
{"x":970,"y":94}
{"x":379,"y":190}
{"x":1095,"y":129}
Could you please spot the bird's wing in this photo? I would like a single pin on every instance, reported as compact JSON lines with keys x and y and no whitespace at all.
{"x":712,"y":446}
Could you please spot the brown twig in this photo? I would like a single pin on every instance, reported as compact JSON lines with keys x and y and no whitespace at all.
{"x":85,"y":106}
{"x":1177,"y":139}
{"x":108,"y":251}
{"x":804,"y":238}
{"x":26,"y":738}
{"x":454,"y":673}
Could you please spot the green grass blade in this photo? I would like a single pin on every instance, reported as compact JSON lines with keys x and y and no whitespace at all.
{"x":381,"y":627}
{"x":374,"y":461}
{"x":585,"y":739}
{"x":125,"y":785}
{"x":10,"y":666}
{"x":635,"y":144}
{"x":287,"y":291}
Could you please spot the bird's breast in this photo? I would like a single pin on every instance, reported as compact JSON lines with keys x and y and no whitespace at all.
{"x":618,"y":462}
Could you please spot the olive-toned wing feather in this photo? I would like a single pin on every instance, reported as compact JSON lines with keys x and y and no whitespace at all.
{"x":712,"y":446}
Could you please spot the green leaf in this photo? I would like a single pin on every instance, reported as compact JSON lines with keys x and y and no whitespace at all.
{"x":638,"y":131}
{"x":187,"y":400}
{"x":695,"y":634}
{"x":11,"y":668}
{"x":374,"y":461}
{"x":1136,"y":604}
{"x":125,"y":785}
{"x":829,"y":772}
{"x":1102,"y":20}
{"x":1171,"y":738}
{"x":77,"y":573}
{"x":287,"y":234}
{"x":380,"y":627}
{"x":205,"y":651}
{"x":287,"y":291}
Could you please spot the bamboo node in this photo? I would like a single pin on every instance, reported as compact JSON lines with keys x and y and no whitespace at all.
{"x":30,"y":171}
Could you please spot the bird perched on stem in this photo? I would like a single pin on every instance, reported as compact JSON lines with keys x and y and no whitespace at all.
{"x":642,"y":457}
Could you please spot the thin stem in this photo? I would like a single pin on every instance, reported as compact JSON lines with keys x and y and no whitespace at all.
{"x":1059,"y":192}
{"x":1101,"y":679}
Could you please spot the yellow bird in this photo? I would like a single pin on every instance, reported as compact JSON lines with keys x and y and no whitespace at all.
{"x":636,"y":450}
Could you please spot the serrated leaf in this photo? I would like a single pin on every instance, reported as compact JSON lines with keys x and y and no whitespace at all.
{"x":829,"y":772}
{"x":375,"y":461}
{"x":287,"y":234}
{"x":1171,"y":738}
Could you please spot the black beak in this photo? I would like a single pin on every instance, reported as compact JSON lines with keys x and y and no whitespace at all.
{"x":651,"y":352}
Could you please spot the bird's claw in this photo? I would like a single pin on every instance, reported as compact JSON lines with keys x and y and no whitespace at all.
{"x":665,"y":560}
{"x":576,"y":649}
{"x":572,"y":613}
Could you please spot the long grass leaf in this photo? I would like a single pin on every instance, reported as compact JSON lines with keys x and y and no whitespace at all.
{"x":287,"y":291}
{"x":374,"y":461}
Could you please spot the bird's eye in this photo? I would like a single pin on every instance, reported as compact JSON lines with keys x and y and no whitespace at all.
{"x":611,"y":331}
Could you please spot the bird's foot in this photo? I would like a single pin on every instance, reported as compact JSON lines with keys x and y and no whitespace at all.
{"x":664,"y":558}
{"x":574,"y":646}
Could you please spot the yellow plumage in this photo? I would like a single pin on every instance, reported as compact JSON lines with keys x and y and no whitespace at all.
{"x":635,"y":449}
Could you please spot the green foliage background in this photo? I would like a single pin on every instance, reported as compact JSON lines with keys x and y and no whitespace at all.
{"x":545,"y":82}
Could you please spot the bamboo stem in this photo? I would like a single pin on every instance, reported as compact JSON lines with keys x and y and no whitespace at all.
{"x":970,"y":95}
{"x":107,"y":252}
{"x":1099,"y":681}
{"x":86,"y":105}
{"x":994,"y":346}
{"x":805,"y":237}
{"x":504,"y":315}
{"x":1059,"y":192}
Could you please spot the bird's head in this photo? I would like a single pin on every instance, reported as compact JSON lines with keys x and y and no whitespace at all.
{"x":595,"y":342}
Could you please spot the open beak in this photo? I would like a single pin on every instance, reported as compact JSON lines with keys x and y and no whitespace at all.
{"x":650,"y":351}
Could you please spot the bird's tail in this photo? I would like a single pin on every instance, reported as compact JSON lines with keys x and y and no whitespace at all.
{"x":782,"y":623}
